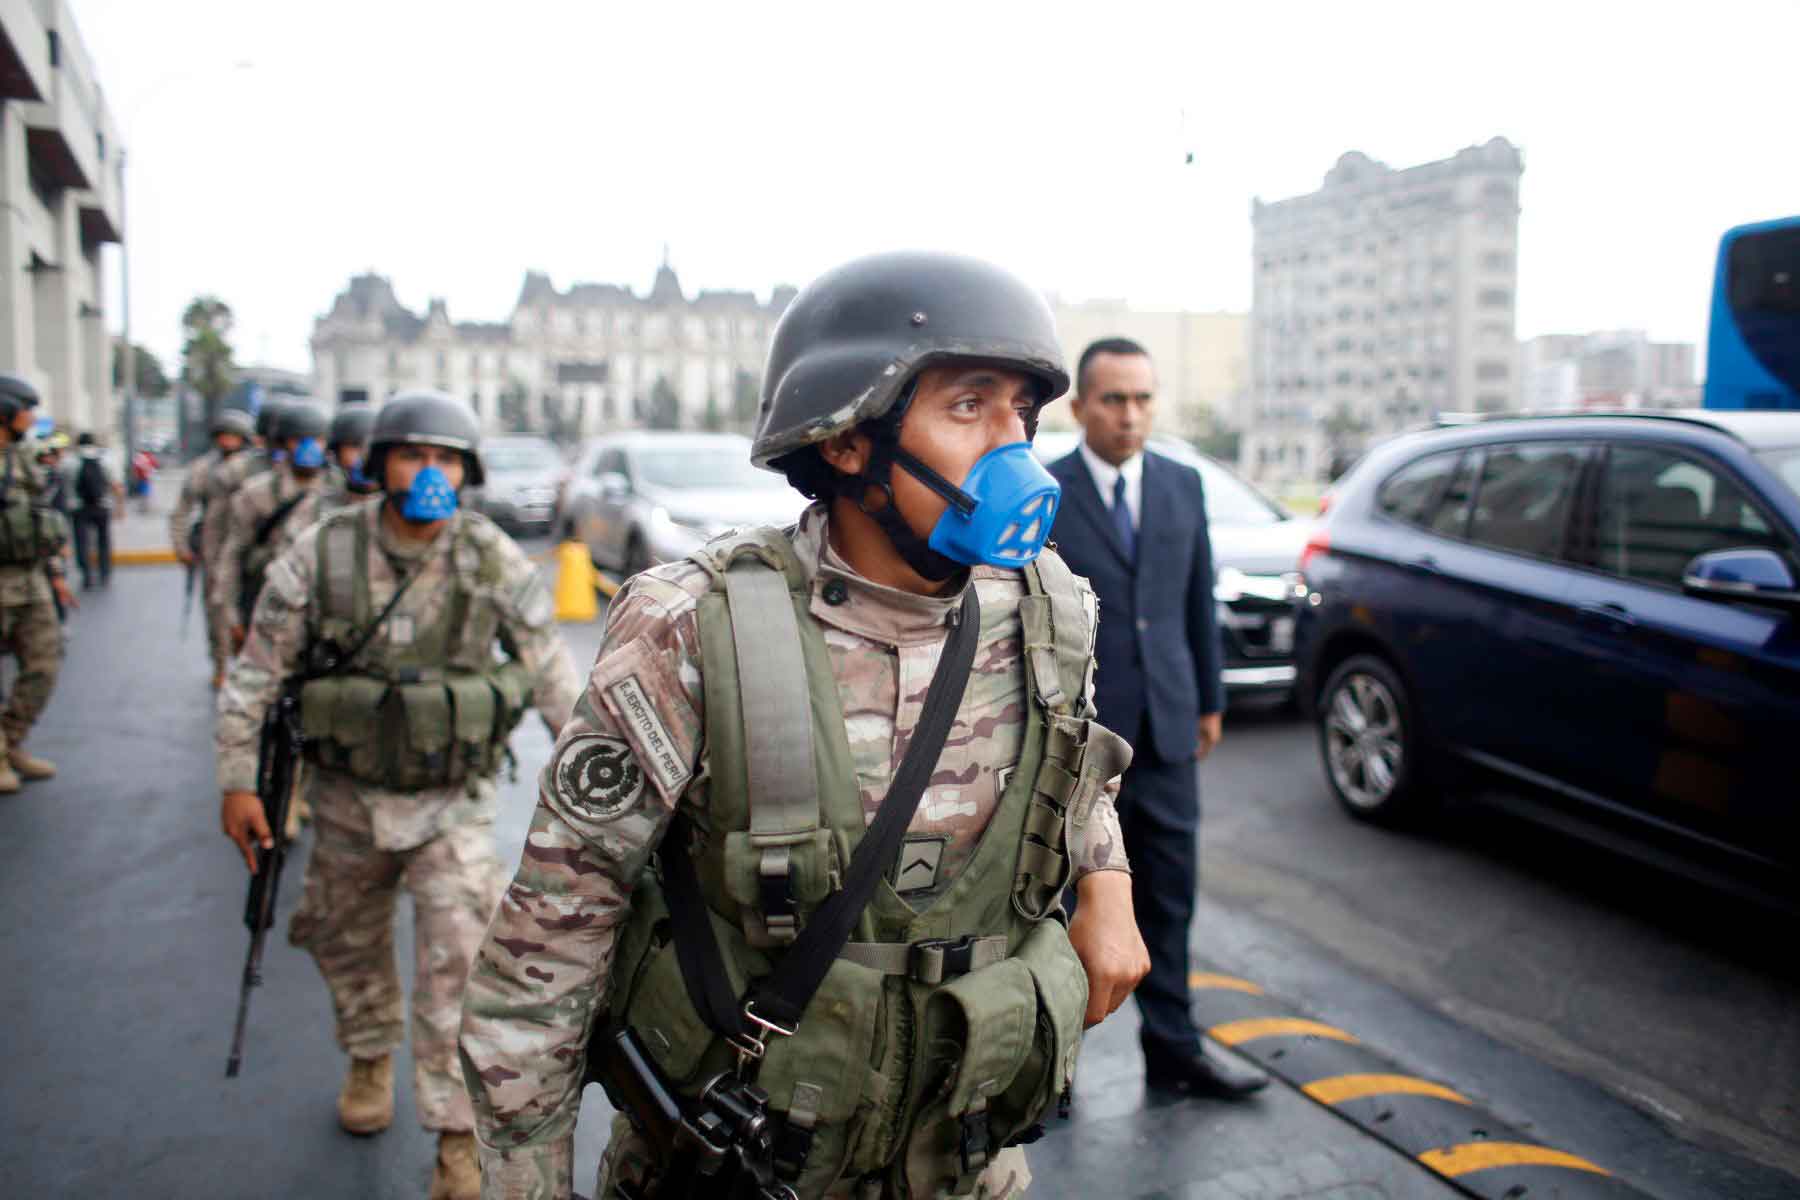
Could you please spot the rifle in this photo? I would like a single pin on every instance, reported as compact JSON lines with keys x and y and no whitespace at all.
{"x":187,"y":601}
{"x":277,"y":760}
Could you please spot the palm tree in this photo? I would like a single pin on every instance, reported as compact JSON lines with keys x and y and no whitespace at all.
{"x":206,"y":363}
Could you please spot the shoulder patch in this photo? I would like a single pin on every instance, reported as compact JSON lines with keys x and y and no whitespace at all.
{"x":597,"y":776}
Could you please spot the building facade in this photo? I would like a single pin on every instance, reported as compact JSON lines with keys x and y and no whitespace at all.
{"x":591,"y":359}
{"x":62,"y":187}
{"x":1619,"y":368}
{"x":1202,"y":360}
{"x":1379,"y":301}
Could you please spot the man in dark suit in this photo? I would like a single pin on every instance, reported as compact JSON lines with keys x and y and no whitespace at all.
{"x":1134,"y":523}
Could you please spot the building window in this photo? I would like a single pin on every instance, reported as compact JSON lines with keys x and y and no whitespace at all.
{"x":1494,"y":298}
{"x":1491,"y":372}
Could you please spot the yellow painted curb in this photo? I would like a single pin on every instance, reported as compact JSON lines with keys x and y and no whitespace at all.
{"x":1235,"y":1033}
{"x":1206,"y":980}
{"x":1340,"y":1088}
{"x":144,"y":558}
{"x":607,"y":587}
{"x":1453,"y":1161}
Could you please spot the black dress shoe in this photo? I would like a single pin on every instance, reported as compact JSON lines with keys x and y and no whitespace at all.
{"x":1204,"y":1072}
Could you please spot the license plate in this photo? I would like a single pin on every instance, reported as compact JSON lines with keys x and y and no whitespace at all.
{"x":1281,"y":635}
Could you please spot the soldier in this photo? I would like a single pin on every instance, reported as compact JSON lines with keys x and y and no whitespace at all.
{"x":349,"y":434}
{"x":222,"y":481}
{"x":232,"y":430}
{"x":755,"y":703}
{"x":32,"y":537}
{"x":386,"y":614}
{"x":269,"y":511}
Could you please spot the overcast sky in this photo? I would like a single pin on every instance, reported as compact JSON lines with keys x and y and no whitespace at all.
{"x":452,"y":146}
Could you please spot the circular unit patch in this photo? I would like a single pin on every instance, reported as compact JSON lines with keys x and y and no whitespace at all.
{"x":598,"y":776}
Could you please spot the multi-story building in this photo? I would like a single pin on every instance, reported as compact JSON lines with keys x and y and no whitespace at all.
{"x":1202,"y":359}
{"x":62,"y":189}
{"x":1619,"y":368}
{"x":595,"y":357}
{"x":1380,"y":300}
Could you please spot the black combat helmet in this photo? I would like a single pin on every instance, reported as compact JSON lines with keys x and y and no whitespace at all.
{"x":847,"y":348}
{"x":267,"y":416}
{"x":299,"y":420}
{"x":234,"y":420}
{"x":350,"y":427}
{"x":16,"y":394}
{"x":425,"y":418}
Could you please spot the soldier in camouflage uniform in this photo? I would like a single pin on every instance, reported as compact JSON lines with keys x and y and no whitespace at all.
{"x":346,"y":443}
{"x":269,"y":511}
{"x":393,"y":608}
{"x":32,"y":537}
{"x":222,"y":482}
{"x":232,"y":430}
{"x":857,"y":382}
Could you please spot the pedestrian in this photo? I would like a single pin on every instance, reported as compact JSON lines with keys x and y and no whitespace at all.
{"x":266,"y":515}
{"x":143,"y":469}
{"x":748,"y":715}
{"x":31,"y":584}
{"x":1134,"y":523}
{"x":96,"y":495}
{"x":424,"y":633}
{"x":232,"y":430}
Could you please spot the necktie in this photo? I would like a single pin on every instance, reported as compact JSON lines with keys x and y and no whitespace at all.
{"x":1121,"y":514}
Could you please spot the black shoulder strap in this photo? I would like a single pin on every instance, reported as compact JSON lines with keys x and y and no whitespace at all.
{"x":779,"y":1000}
{"x":272,"y":522}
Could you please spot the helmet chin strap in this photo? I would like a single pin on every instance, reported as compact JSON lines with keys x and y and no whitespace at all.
{"x":878,"y":476}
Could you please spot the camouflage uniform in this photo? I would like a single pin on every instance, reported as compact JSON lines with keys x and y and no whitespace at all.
{"x":194,"y":491}
{"x":437,"y":843}
{"x":544,"y":966}
{"x":257,"y":499}
{"x":223,"y":479}
{"x":28,"y":625}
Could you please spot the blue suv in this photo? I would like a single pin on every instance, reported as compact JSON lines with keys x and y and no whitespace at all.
{"x":1601,"y":608}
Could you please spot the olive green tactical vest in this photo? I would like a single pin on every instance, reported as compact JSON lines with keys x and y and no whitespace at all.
{"x":259,"y":553}
{"x":28,"y":533}
{"x":938,"y":1036}
{"x":433,"y":711}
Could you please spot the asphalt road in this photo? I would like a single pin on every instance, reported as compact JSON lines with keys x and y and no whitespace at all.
{"x":1609,"y":1013}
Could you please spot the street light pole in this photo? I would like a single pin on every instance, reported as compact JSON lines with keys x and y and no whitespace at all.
{"x":127,"y":359}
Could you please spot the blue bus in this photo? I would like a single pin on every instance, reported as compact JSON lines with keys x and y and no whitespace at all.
{"x":1753,"y":346}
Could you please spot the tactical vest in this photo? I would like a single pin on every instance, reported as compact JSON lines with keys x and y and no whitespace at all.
{"x":29,"y":534}
{"x":433,"y":712}
{"x":261,"y":549}
{"x":938,"y":1036}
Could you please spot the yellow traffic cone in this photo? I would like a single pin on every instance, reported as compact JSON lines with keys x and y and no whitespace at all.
{"x":575,"y":584}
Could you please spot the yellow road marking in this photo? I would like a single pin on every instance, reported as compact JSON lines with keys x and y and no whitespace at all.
{"x":1453,"y":1161}
{"x":1234,"y":1033}
{"x":1340,"y":1088}
{"x":607,"y":587}
{"x":1204,"y":979}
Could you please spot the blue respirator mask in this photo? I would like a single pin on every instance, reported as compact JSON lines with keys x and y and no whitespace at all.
{"x":357,"y":481}
{"x":278,"y":454}
{"x":309,"y":455}
{"x":1001,"y":514}
{"x":430,"y":498}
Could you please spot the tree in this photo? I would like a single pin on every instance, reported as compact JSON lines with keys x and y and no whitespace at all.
{"x":665,"y":405}
{"x":514,"y":414}
{"x":714,"y":419}
{"x":206,"y":363}
{"x":745,"y":397}
{"x":151,"y":381}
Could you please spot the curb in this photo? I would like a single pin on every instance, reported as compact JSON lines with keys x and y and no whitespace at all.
{"x":145,"y":558}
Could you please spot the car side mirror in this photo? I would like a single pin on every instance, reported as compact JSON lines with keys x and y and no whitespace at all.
{"x":614,"y":486}
{"x":1745,"y":576}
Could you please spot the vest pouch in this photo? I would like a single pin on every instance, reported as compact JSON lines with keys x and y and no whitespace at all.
{"x":665,"y":1018}
{"x":825,"y":1070}
{"x":1062,"y":997}
{"x":340,"y":716}
{"x":420,"y":757}
{"x":512,"y":683}
{"x":813,"y":874}
{"x":474,"y":707}
{"x":18,"y":530}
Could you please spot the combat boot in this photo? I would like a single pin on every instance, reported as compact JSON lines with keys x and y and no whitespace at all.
{"x":9,"y":778}
{"x":366,"y":1105}
{"x":458,"y":1172}
{"x":28,"y":766}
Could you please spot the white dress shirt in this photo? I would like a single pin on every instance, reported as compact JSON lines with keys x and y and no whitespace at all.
{"x":1106,"y":477}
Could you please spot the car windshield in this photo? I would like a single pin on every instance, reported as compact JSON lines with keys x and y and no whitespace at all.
{"x":520,"y":456}
{"x":1231,"y":501}
{"x":702,"y":467}
{"x":1785,"y":462}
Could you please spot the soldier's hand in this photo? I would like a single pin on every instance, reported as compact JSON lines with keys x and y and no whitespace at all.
{"x":237,"y":638}
{"x":241,"y":813}
{"x":184,"y":556}
{"x":1106,"y":939}
{"x":60,"y":586}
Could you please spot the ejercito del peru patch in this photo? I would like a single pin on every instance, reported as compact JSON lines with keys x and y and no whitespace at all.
{"x":598,"y":776}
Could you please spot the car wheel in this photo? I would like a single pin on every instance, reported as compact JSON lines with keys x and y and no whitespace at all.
{"x":1369,"y":741}
{"x":637,"y":556}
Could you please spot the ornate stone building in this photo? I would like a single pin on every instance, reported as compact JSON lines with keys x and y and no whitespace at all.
{"x":594,"y":358}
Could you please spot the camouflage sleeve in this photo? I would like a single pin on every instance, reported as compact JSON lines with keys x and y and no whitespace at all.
{"x":228,"y":567}
{"x":1096,"y":844}
{"x":528,"y":633}
{"x":622,"y":762}
{"x":188,"y":504}
{"x":271,"y":654}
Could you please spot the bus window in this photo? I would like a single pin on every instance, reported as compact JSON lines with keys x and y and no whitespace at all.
{"x":1753,"y":346}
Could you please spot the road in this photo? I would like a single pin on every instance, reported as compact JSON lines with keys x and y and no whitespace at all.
{"x":1609,"y":1014}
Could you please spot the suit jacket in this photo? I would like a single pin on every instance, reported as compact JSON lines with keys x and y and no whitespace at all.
{"x":1158,"y":646}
